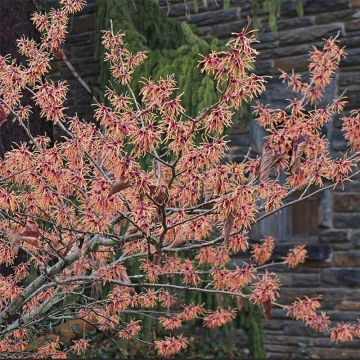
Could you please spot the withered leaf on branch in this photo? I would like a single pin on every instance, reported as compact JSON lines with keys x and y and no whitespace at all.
{"x":30,"y":235}
{"x":125,"y":277}
{"x":3,"y":116}
{"x":118,"y":186}
{"x":228,"y":225}
{"x":31,"y":229}
{"x":268,"y":159}
{"x":267,"y":309}
{"x":15,"y":239}
{"x":298,"y":149}
{"x":158,"y":193}
{"x":58,"y":53}
{"x":85,"y":247}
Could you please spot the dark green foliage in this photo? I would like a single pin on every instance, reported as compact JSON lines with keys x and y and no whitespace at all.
{"x":299,"y":7}
{"x":173,"y":49}
{"x":272,"y":7}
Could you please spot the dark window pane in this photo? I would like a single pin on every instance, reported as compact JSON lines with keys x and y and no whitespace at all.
{"x":303,"y":217}
{"x":300,"y":219}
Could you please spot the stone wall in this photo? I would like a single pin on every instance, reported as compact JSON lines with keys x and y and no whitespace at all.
{"x":333,"y":266}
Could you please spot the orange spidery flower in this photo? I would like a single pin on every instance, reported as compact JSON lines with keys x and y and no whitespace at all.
{"x":113,"y":272}
{"x":238,"y":243}
{"x":253,"y":166}
{"x":293,"y":80}
{"x":50,"y":99}
{"x":8,"y":201}
{"x":266,"y":290}
{"x":136,"y":247}
{"x":119,"y":299}
{"x":262,"y":252}
{"x":21,"y":272}
{"x":155,"y":94}
{"x":341,"y":333}
{"x":23,"y":112}
{"x":303,"y":309}
{"x":296,"y":256}
{"x":241,"y":276}
{"x":221,"y":277}
{"x":191,"y":312}
{"x":215,"y":150}
{"x":80,"y":346}
{"x":20,"y":334}
{"x":6,"y":254}
{"x":177,"y":134}
{"x":189,"y":274}
{"x":210,"y":63}
{"x":73,"y":6}
{"x":148,"y":299}
{"x":105,"y":320}
{"x":356,"y":329}
{"x":131,"y":329}
{"x":121,"y":103}
{"x":171,"y":345}
{"x":207,"y":255}
{"x":144,"y":139}
{"x":340,"y":169}
{"x":351,"y":126}
{"x":222,"y":257}
{"x":219,"y":118}
{"x":172,"y":264}
{"x":49,"y":350}
{"x":219,"y":318}
{"x":170,"y":323}
{"x":166,"y":299}
{"x":199,"y":228}
{"x":172,"y":107}
{"x":273,"y":194}
{"x":5,"y":345}
{"x":38,"y":299}
{"x":41,"y":21}
{"x":319,"y":323}
{"x":105,"y":115}
{"x":265,"y":116}
{"x":27,"y":47}
{"x":319,"y":117}
{"x":338,"y":105}
{"x":152,"y":270}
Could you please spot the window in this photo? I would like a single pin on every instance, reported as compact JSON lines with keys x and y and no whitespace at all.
{"x":298,"y":222}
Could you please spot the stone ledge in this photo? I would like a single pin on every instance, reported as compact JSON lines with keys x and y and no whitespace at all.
{"x":346,"y":202}
{"x":347,"y":277}
{"x":345,"y":220}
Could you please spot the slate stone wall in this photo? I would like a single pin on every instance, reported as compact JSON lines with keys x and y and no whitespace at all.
{"x":333,"y":266}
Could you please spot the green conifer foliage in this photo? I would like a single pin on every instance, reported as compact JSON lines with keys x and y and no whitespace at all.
{"x":173,"y":49}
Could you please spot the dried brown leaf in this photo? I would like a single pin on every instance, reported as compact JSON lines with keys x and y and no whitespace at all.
{"x":31,"y":229}
{"x":267,"y":162}
{"x":58,"y":53}
{"x":298,"y":149}
{"x":14,"y":239}
{"x":3,"y":116}
{"x":228,"y":225}
{"x":267,"y":309}
{"x":118,"y":186}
